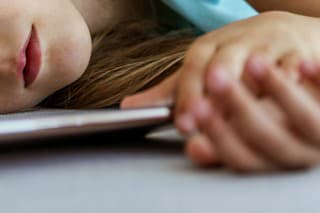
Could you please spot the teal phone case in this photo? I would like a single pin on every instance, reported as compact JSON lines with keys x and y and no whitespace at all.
{"x":209,"y":15}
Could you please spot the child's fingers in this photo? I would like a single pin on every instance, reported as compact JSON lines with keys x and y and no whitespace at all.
{"x":302,"y":110}
{"x":191,"y":86}
{"x":204,"y":148}
{"x":232,"y":150}
{"x":273,"y":111}
{"x":310,"y":77}
{"x":201,"y":151}
{"x":232,"y":57}
{"x":256,"y":127}
{"x":159,"y":95}
{"x":199,"y":147}
{"x":311,"y":88}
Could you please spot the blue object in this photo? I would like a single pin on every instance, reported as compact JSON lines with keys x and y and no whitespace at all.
{"x":209,"y":15}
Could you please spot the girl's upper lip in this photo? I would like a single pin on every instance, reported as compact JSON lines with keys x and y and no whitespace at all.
{"x":30,"y":58}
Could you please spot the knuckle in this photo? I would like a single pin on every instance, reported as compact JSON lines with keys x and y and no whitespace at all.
{"x":267,"y":48}
{"x":232,"y":49}
{"x":201,"y":48}
{"x":228,"y":54}
{"x":232,"y":56}
{"x":291,"y":59}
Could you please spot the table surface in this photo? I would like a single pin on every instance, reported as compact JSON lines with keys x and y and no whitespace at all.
{"x":147,"y":174}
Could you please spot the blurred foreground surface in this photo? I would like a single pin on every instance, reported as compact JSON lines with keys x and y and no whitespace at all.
{"x":122,"y":173}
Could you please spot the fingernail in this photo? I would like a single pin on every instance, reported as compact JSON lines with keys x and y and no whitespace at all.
{"x":219,"y":80}
{"x":186,"y":123}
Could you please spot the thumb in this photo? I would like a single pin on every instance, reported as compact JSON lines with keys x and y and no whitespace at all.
{"x":162,"y":94}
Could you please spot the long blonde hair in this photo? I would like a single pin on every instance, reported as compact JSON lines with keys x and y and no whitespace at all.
{"x":126,"y":58}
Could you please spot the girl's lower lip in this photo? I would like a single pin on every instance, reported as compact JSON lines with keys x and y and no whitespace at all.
{"x":30,"y":59}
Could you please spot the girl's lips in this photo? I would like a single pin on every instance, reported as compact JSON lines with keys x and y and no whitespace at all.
{"x":30,"y":59}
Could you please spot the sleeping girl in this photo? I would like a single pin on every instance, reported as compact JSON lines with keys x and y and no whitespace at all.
{"x":245,"y":94}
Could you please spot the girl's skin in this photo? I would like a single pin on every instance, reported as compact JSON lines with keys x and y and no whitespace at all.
{"x":64,"y":29}
{"x":65,"y":50}
{"x":266,"y":122}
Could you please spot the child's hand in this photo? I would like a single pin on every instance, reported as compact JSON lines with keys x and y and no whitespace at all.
{"x":251,"y":137}
{"x":284,"y":41}
{"x":250,"y":140}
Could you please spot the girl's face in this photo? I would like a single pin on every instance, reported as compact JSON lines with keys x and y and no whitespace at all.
{"x":44,"y":45}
